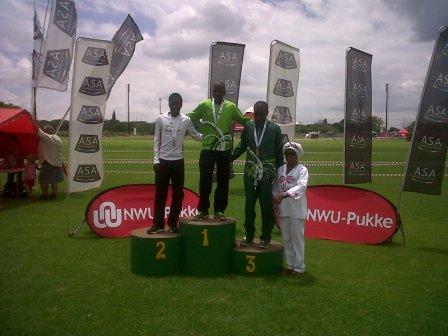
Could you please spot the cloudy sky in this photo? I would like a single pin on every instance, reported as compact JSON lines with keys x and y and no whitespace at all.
{"x":177,"y":34}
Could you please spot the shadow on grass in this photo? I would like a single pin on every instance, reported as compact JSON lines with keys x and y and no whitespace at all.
{"x":305,"y":280}
{"x":443,"y":251}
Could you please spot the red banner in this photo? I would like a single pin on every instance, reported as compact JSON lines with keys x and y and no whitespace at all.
{"x":115,"y":212}
{"x":350,"y":214}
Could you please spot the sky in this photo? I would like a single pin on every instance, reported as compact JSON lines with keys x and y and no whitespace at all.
{"x":174,"y":55}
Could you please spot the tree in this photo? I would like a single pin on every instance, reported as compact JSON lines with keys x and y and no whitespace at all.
{"x":113,"y":116}
{"x":377,"y":124}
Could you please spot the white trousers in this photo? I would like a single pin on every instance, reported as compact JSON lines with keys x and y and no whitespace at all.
{"x":294,"y":242}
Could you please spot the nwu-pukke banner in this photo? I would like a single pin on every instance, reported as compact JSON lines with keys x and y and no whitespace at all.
{"x":58,"y":47}
{"x":426,"y":162}
{"x":283,"y":79}
{"x":87,"y":108}
{"x":358,"y":117}
{"x":124,"y":41}
{"x":226,"y":62}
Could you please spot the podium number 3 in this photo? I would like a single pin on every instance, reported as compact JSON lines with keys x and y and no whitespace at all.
{"x":161,"y":252}
{"x":205,"y":240}
{"x":250,"y":263}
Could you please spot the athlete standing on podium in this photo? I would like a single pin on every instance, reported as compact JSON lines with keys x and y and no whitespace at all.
{"x":169,"y":136}
{"x":217,"y":115}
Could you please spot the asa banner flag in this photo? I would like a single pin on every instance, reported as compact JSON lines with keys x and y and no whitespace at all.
{"x":87,"y":108}
{"x":426,"y":163}
{"x":226,"y":63}
{"x":58,"y":48}
{"x":358,"y":117}
{"x":124,"y":41}
{"x":37,"y":45}
{"x":283,"y":79}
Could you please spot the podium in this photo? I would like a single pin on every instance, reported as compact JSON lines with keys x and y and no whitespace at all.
{"x":253,"y":260}
{"x":156,"y":254}
{"x":207,"y":246}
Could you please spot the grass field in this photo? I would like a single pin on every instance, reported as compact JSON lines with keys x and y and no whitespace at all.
{"x":54,"y":285}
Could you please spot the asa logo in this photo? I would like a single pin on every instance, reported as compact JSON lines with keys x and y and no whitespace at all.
{"x":445,"y":50}
{"x":437,"y":113}
{"x":281,"y":115}
{"x":90,"y":114}
{"x":431,"y":144}
{"x":425,"y":175}
{"x":358,"y":116}
{"x":286,"y":60}
{"x":95,"y":56}
{"x":358,"y":141}
{"x":360,"y":64}
{"x":283,"y":88}
{"x":107,"y":215}
{"x":441,"y":82}
{"x":359,"y":90}
{"x":87,"y":173}
{"x":57,"y":65}
{"x":65,"y":16}
{"x":228,"y":58}
{"x":231,"y":86}
{"x":357,"y":168}
{"x":88,"y":143}
{"x":93,"y":86}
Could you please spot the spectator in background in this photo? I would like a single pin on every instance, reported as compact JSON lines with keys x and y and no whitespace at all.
{"x":30,"y":173}
{"x":50,"y":157}
{"x":13,"y":162}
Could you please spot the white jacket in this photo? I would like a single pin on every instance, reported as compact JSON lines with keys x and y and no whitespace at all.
{"x":294,"y":185}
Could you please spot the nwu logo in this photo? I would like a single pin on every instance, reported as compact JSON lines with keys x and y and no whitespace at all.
{"x":88,"y":143}
{"x":228,"y":58}
{"x":87,"y":173}
{"x":90,"y":114}
{"x":437,"y":113}
{"x":95,"y":56}
{"x":93,"y":86}
{"x":281,"y":115}
{"x":357,"y":168}
{"x":286,"y":60}
{"x":231,"y":86}
{"x":359,"y":90}
{"x":430,"y":144}
{"x":283,"y":88}
{"x":65,"y":16}
{"x":358,"y":116}
{"x":425,"y":175}
{"x":57,"y":65}
{"x":441,"y":82}
{"x":360,"y":64}
{"x":358,"y":142}
{"x":107,"y":215}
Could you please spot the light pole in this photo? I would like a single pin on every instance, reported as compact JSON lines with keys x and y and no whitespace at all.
{"x":128,"y":89}
{"x":387,"y":101}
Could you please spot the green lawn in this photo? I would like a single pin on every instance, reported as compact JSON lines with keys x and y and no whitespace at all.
{"x":54,"y":285}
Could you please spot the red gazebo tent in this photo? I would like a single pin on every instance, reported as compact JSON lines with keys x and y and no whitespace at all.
{"x":18,"y":122}
{"x":403,"y":132}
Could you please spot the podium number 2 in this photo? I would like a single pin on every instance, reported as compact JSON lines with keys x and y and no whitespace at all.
{"x":250,"y":263}
{"x":205,"y":240}
{"x":161,"y":252}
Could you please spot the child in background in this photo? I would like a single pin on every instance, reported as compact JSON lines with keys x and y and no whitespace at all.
{"x":30,"y":174}
{"x":290,"y":199}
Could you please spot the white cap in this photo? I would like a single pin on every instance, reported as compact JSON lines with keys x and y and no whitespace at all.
{"x":296,"y":147}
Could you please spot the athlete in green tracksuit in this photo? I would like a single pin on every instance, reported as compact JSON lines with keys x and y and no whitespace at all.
{"x":262,"y":140}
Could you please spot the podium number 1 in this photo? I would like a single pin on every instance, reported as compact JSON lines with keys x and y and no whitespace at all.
{"x":205,"y":240}
{"x":161,"y":252}
{"x":250,"y":263}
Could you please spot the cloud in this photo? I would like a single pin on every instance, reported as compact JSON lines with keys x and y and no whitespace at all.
{"x":173,"y":57}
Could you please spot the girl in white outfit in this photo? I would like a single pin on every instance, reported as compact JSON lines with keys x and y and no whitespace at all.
{"x":289,"y":196}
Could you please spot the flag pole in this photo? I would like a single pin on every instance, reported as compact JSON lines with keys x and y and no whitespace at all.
{"x":62,"y":120}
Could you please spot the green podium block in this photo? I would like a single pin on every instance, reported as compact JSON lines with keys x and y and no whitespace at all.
{"x":255,"y":261}
{"x":156,"y":254}
{"x":207,"y":246}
